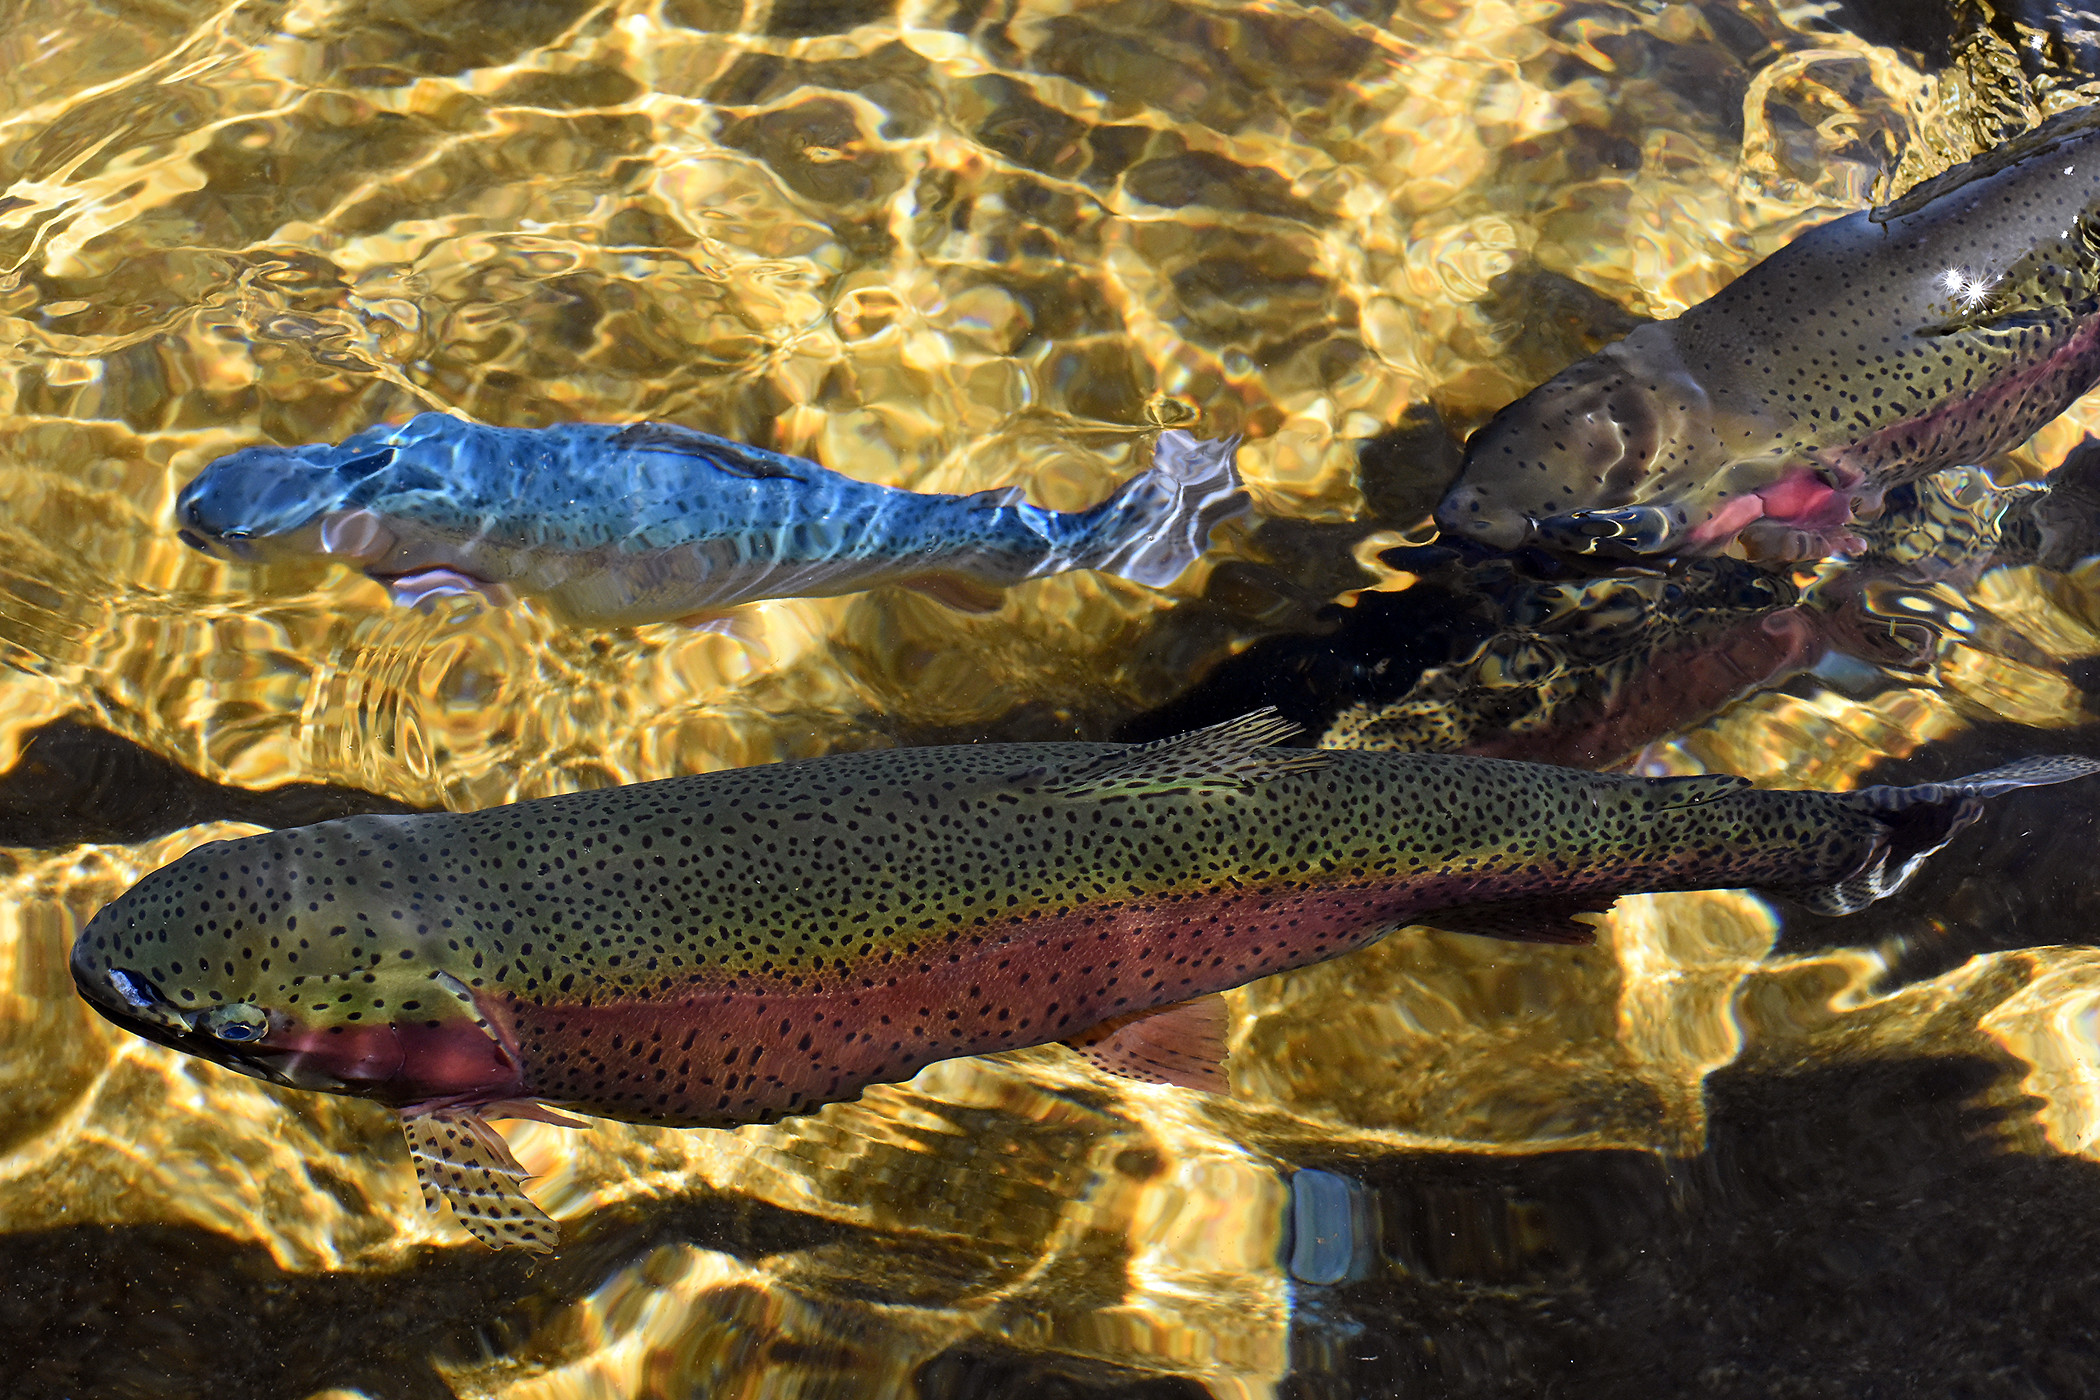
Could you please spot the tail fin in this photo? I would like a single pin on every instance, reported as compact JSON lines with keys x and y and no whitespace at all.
{"x":1919,"y":820}
{"x":1161,"y":519}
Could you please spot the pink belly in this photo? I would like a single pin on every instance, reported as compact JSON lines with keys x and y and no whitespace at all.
{"x":738,"y":1051}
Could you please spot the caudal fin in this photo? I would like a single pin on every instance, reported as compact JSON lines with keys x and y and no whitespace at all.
{"x":1921,"y":819}
{"x":1161,"y":519}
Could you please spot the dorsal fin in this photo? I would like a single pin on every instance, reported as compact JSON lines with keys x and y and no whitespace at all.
{"x":1222,"y":758}
{"x":734,"y":458}
{"x":465,"y":1163}
{"x":995,"y":497}
{"x":2061,"y":127}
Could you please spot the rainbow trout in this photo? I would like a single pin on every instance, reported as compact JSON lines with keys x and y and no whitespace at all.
{"x":739,"y":946}
{"x":1928,"y":333}
{"x":613,"y":526}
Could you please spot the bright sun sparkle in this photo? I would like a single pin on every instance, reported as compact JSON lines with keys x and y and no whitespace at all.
{"x":1969,"y":290}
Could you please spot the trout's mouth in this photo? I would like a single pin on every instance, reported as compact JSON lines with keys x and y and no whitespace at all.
{"x":133,"y":1003}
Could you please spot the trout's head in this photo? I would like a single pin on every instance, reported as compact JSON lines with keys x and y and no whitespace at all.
{"x":268,"y":502}
{"x":1603,"y":459}
{"x":294,"y":957}
{"x":1623,"y":456}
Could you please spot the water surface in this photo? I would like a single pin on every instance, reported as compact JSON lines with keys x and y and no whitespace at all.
{"x":951,"y":246}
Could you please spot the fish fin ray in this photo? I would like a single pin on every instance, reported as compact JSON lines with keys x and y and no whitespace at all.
{"x":1542,"y":919}
{"x":462,"y":1161}
{"x":463,"y":994}
{"x":531,"y":1111}
{"x":1224,"y":757}
{"x":954,"y":591}
{"x":1182,"y":1044}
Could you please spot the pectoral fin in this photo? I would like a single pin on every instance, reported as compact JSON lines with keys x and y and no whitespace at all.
{"x":1182,"y":1044}
{"x":1695,"y":790}
{"x":1546,"y":919}
{"x":464,"y":1162}
{"x":957,"y":592}
{"x":412,"y":590}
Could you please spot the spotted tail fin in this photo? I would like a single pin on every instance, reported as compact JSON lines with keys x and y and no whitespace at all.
{"x":1157,"y":524}
{"x":1920,"y":820}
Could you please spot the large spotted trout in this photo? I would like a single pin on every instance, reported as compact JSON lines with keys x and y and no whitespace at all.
{"x":612,"y":526}
{"x":1928,"y":333}
{"x":738,"y":946}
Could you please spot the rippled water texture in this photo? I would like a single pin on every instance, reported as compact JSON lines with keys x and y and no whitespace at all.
{"x":952,"y":246}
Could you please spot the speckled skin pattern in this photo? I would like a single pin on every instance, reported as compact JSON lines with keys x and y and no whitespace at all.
{"x":651,"y":522}
{"x":736,"y":946}
{"x":1886,"y":344}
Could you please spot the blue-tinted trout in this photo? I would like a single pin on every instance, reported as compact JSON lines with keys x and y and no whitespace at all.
{"x":610,"y":526}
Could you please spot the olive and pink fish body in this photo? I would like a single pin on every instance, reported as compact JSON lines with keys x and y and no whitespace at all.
{"x":1928,"y":333}
{"x":737,"y":946}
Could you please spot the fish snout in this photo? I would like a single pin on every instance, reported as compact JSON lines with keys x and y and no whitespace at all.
{"x":1626,"y":531}
{"x":1467,"y":511}
{"x":195,"y":528}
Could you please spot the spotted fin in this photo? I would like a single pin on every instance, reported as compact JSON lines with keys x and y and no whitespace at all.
{"x":465,"y":1163}
{"x":1182,"y":1044}
{"x":1547,"y":919}
{"x":1223,"y":758}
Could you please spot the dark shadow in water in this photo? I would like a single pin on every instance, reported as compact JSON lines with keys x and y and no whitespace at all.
{"x":1857,"y":1231}
{"x":1851,"y":1232}
{"x":2021,"y":877}
{"x":1375,"y":652}
{"x":75,"y":782}
{"x":145,"y":1312}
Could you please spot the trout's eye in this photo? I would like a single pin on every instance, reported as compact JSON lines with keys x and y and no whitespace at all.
{"x":238,"y":1022}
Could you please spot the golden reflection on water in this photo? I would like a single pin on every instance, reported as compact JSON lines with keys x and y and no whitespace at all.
{"x":945,"y":247}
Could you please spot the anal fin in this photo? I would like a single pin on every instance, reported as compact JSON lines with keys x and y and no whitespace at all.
{"x":1182,"y":1044}
{"x":465,"y":1163}
{"x":1543,"y":919}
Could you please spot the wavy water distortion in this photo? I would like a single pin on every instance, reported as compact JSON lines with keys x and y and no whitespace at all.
{"x":951,"y":247}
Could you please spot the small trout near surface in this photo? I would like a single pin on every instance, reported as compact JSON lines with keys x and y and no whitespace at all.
{"x":1928,"y":333}
{"x":655,"y":523}
{"x":739,"y":946}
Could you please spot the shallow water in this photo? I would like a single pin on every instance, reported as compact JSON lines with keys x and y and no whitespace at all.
{"x":952,"y":246}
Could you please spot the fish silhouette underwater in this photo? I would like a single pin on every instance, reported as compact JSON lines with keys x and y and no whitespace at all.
{"x":613,"y":526}
{"x":1927,"y":333}
{"x":740,"y":946}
